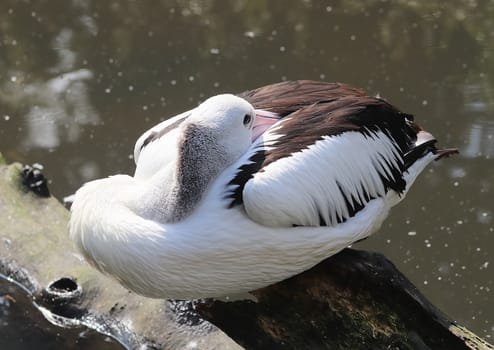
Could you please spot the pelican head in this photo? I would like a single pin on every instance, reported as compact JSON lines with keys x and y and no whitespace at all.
{"x":224,"y":123}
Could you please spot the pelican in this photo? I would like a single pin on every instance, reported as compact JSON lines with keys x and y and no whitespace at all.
{"x":245,"y":191}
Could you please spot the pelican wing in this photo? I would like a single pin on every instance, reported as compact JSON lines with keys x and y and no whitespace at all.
{"x":334,"y":151}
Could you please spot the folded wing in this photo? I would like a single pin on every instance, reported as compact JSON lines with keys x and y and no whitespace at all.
{"x":335,"y":150}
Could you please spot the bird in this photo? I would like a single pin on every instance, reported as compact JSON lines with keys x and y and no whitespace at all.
{"x":246,"y":190}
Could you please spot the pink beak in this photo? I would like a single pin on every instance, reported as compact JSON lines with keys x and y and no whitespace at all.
{"x":264,"y":120}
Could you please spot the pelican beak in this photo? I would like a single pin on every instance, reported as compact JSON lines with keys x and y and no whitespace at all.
{"x":264,"y":120}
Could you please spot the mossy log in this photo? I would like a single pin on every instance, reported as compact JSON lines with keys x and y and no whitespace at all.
{"x":354,"y":300}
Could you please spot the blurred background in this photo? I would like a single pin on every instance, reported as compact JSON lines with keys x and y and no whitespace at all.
{"x":80,"y":80}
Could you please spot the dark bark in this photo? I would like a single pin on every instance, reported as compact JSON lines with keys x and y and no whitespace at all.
{"x":353,"y":300}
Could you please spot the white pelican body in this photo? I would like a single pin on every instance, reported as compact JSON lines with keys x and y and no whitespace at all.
{"x":264,"y":216}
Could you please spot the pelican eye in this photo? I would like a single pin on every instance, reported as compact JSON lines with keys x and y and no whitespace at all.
{"x":247,"y":119}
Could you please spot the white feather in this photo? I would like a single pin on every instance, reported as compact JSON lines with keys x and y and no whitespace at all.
{"x":295,"y":190}
{"x":156,"y":154}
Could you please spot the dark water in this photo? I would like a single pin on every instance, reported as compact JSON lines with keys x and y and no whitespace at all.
{"x":22,"y":326}
{"x":80,"y":80}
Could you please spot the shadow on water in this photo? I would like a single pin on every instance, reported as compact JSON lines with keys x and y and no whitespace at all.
{"x":77,"y":90}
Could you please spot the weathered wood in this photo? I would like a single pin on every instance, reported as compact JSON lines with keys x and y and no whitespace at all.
{"x":35,"y":251}
{"x":353,"y":300}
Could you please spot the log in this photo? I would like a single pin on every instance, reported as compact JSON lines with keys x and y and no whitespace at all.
{"x":354,"y":300}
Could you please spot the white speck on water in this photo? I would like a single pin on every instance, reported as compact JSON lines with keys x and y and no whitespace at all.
{"x":249,"y":34}
{"x":13,"y":79}
{"x":412,"y":233}
{"x":6,"y":117}
{"x":353,"y":37}
{"x":282,"y":49}
{"x":144,"y":108}
{"x":191,"y":78}
{"x":459,"y":222}
{"x":484,"y":217}
{"x":458,"y":172}
{"x":107,"y":90}
{"x":456,"y":184}
{"x":426,"y":282}
{"x":131,"y":88}
{"x":214,"y":51}
{"x":173,"y":82}
{"x":484,"y":265}
{"x":444,"y":268}
{"x":329,"y":9}
{"x":425,"y":103}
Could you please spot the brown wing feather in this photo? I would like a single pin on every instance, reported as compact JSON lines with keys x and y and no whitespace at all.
{"x":287,"y":97}
{"x":318,"y":109}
